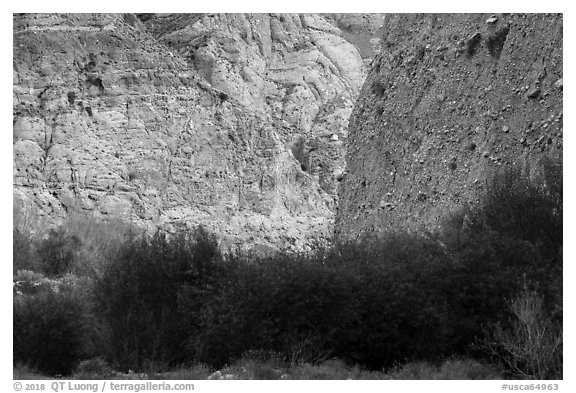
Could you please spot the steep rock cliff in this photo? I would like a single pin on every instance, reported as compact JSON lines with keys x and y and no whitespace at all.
{"x":448,"y":101}
{"x":303,"y":70}
{"x":137,"y":118}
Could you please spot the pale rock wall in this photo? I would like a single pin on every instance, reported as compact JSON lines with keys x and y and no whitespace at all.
{"x":123,"y":118}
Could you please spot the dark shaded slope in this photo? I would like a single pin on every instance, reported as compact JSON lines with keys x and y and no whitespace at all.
{"x":450,"y":99}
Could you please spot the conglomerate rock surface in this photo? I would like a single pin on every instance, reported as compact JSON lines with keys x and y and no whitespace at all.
{"x":237,"y":122}
{"x":449,"y":100}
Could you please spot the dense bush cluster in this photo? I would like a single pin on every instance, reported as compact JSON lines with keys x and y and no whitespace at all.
{"x":138,"y":297}
{"x":51,"y":323}
{"x":162,"y":301}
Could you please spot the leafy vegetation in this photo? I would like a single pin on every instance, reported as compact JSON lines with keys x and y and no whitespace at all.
{"x":438,"y":304}
{"x":137,"y":296}
{"x":50,"y":331}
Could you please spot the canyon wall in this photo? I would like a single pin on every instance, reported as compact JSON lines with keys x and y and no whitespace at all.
{"x":450,"y":100}
{"x":236,"y":122}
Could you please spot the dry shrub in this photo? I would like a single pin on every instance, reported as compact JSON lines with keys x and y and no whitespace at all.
{"x":532,"y":348}
{"x":99,"y":240}
{"x":28,"y":226}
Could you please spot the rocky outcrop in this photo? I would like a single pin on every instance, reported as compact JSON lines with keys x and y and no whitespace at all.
{"x":449,"y":100}
{"x":302,"y":70}
{"x":236,"y":122}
